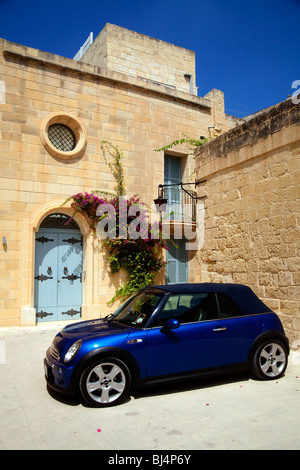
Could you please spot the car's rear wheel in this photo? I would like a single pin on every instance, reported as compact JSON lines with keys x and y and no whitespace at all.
{"x":270,"y":360}
{"x":105,"y":382}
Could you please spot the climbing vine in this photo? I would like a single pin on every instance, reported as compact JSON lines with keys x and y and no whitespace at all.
{"x":116,"y":166}
{"x":186,"y":140}
{"x":141,"y":256}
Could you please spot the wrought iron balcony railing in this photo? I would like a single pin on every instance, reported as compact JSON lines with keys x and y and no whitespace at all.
{"x":178,"y":201}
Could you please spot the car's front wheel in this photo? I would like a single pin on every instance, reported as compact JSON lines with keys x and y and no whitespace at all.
{"x":270,"y":360}
{"x":105,"y":382}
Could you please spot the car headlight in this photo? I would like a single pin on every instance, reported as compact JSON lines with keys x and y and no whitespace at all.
{"x":72,"y":350}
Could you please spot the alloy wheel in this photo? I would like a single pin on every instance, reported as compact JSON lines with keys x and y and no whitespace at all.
{"x":272,"y":360}
{"x":105,"y":382}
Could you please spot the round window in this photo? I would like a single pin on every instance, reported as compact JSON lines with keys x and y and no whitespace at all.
{"x":63,"y":135}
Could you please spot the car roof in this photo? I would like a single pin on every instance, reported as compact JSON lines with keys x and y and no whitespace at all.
{"x":202,"y":287}
{"x":243,"y":296}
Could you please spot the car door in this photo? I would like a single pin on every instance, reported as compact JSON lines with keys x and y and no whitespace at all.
{"x":201,"y":341}
{"x":244,"y":329}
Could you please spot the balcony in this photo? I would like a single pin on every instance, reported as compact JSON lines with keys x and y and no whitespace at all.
{"x":177,"y":204}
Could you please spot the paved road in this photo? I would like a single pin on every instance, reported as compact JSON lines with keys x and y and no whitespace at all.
{"x":232,"y":412}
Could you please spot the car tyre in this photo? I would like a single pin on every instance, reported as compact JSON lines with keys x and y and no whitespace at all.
{"x":270,"y":360}
{"x":105,"y":382}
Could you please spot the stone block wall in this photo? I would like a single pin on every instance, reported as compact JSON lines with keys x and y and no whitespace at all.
{"x":129,"y":52}
{"x":252,"y":209}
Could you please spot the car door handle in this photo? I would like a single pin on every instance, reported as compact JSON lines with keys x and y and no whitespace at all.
{"x":220,"y":329}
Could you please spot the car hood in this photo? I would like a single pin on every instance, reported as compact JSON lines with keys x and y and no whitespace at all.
{"x":91,"y":328}
{"x":93,"y":334}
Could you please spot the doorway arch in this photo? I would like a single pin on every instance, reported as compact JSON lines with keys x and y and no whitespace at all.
{"x":90,"y":287}
{"x":58,"y":269}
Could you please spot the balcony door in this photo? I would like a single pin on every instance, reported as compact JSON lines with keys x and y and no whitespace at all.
{"x":172,"y":176}
{"x":177,"y":259}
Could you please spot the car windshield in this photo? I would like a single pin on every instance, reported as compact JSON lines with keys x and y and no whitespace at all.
{"x":138,"y":309}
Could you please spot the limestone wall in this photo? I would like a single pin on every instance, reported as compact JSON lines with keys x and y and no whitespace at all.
{"x":252,"y":209}
{"x":132,"y":53}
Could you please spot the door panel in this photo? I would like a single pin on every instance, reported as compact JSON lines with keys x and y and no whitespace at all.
{"x":177,"y":266}
{"x":69,"y":271}
{"x":45,"y":278}
{"x":176,"y":270}
{"x":58,"y":268}
{"x":191,"y":347}
{"x":172,"y":175}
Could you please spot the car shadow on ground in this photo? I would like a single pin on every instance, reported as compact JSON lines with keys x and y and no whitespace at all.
{"x":198,"y":383}
{"x":161,"y":389}
{"x":71,"y":400}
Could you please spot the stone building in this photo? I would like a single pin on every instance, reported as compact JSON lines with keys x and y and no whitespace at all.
{"x":139,"y":93}
{"x":132,"y":90}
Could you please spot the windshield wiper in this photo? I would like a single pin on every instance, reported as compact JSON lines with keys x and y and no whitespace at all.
{"x":109,"y":317}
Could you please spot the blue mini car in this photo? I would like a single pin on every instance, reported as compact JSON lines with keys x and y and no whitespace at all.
{"x":166,"y":333}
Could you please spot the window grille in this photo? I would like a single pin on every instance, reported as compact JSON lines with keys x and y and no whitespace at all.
{"x":58,"y":220}
{"x":62,"y":137}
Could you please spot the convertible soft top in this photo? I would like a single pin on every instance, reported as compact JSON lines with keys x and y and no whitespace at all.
{"x":244,"y":297}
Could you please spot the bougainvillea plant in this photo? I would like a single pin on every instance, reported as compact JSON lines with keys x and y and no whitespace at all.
{"x":133,"y":243}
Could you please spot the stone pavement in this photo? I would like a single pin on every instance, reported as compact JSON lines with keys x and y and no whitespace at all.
{"x":229,"y":412}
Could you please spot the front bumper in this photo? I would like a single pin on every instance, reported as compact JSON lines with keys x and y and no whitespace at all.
{"x":57,"y":375}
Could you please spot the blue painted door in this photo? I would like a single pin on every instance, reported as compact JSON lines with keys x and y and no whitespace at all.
{"x":172,"y":176}
{"x":177,"y":266}
{"x":58,"y":274}
{"x":177,"y":263}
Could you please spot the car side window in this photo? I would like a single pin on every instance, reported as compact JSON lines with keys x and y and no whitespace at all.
{"x":227,"y":306}
{"x":188,"y":308}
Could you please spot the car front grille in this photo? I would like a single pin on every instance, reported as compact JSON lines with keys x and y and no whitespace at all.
{"x":54,"y":352}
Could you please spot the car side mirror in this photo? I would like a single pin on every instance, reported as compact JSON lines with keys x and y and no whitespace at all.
{"x":171,"y":324}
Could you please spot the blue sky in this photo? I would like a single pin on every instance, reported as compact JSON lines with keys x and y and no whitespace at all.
{"x":249,"y":49}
